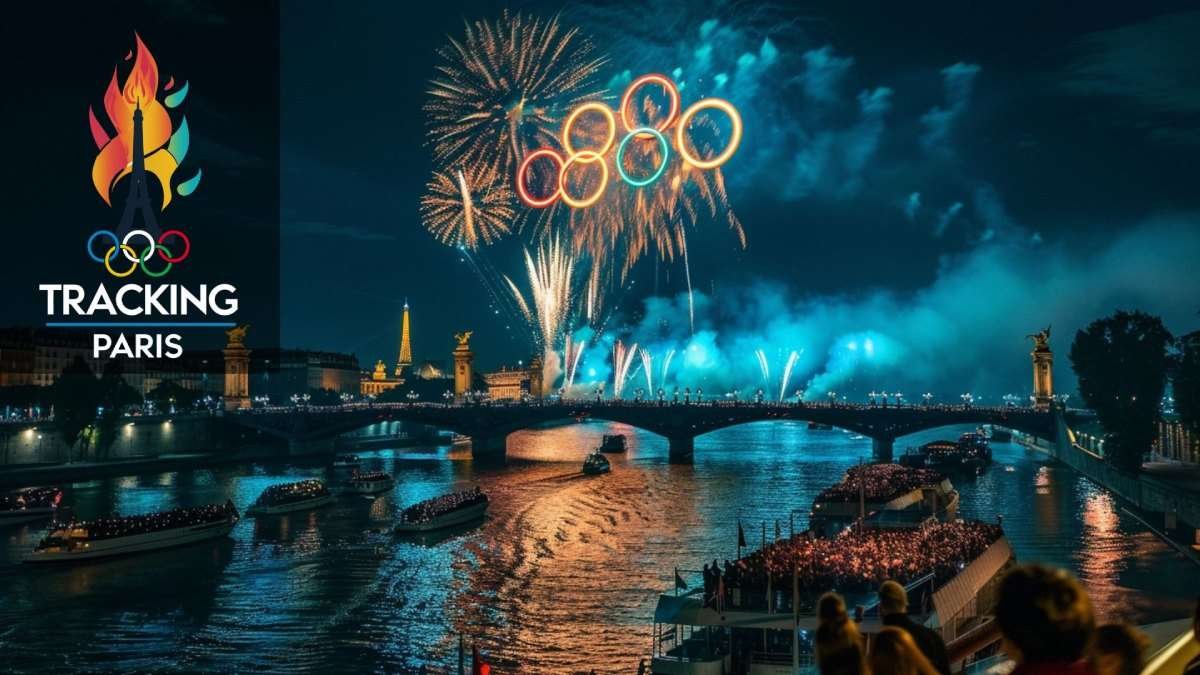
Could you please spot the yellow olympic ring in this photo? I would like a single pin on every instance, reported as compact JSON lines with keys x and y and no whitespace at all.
{"x":127,"y":250}
{"x":735,"y":135}
{"x":584,"y":157}
{"x":608,"y":117}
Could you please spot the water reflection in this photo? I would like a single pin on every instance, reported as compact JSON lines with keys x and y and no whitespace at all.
{"x":561,"y":576}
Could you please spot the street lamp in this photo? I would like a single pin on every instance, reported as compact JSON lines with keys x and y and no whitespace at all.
{"x":928,"y":398}
{"x":967,"y":399}
{"x":832,"y":397}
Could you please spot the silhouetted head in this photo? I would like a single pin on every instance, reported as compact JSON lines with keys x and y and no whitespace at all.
{"x":1044,"y":615}
{"x":893,"y":599}
{"x":831,"y":608}
{"x":1120,"y":649}
{"x":893,"y":652}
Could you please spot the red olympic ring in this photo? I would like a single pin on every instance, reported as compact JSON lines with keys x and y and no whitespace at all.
{"x":667,"y":85}
{"x":523,"y":191}
{"x":187,"y":246}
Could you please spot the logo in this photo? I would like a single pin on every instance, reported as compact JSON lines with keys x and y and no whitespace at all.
{"x":657,"y":133}
{"x":138,"y":139}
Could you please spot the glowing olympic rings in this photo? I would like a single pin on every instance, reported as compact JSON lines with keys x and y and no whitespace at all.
{"x":130,"y":253}
{"x":667,"y":85}
{"x":662,"y":142}
{"x":735,"y":134}
{"x":608,"y":116}
{"x":659,"y":130}
{"x":587,"y":157}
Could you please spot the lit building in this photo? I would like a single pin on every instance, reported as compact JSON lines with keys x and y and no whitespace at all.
{"x":507,"y":384}
{"x":1176,"y":442}
{"x":378,"y":381}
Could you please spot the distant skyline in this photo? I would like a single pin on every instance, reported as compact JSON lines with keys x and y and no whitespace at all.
{"x":949,"y":178}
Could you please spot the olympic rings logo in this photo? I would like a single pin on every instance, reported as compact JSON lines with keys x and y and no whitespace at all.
{"x":659,"y":132}
{"x":131,"y":255}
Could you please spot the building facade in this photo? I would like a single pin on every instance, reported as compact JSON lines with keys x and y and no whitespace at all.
{"x":1176,"y":442}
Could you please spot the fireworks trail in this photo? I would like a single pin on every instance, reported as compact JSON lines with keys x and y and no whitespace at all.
{"x":647,"y":363}
{"x":662,"y":382}
{"x":503,"y":88}
{"x":573,"y":353}
{"x":466,"y":209}
{"x":787,"y":373}
{"x":763,"y":365}
{"x":622,"y":359}
{"x":550,"y":289}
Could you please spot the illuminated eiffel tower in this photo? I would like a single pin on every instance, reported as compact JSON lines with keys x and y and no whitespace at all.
{"x":138,"y":200}
{"x":405,"y":358}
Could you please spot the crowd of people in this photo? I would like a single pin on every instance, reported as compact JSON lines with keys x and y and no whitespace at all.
{"x":367,"y":476}
{"x":879,"y":483}
{"x":432,"y":508}
{"x":293,"y":492}
{"x":1046,"y":625}
{"x":31,"y":498}
{"x":853,"y":561}
{"x":109,"y":527}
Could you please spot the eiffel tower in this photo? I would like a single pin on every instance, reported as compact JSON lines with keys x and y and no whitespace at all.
{"x":405,"y":358}
{"x":138,"y":200}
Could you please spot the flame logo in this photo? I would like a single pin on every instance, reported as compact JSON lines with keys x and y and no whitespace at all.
{"x":163,"y":145}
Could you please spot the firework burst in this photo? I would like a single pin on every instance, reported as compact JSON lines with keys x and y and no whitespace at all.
{"x":551,"y":290}
{"x":622,"y":359}
{"x":467,"y":207}
{"x":503,"y":89}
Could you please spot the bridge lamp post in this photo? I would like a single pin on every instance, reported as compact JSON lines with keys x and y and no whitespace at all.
{"x":871,"y":397}
{"x":687,"y":395}
{"x":832,"y":397}
{"x":967,"y":399}
{"x":928,"y":397}
{"x":675,"y":397}
{"x":799,"y":397}
{"x":662,"y":395}
{"x":899,"y":399}
{"x":699,"y":395}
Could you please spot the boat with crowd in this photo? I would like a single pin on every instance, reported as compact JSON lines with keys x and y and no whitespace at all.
{"x":883,"y":495}
{"x":758,"y":614}
{"x":121,"y":535}
{"x":345,"y":461}
{"x":971,"y":453}
{"x":596,"y":464}
{"x":289,"y":497}
{"x":443,"y":511}
{"x":29,"y":504}
{"x":368,"y":483}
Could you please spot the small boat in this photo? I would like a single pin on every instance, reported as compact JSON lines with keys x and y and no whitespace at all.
{"x":29,"y":504}
{"x":119,"y":535}
{"x":345,"y":461}
{"x":613,"y":443}
{"x":596,"y":464}
{"x":443,"y":512}
{"x":857,"y":437}
{"x":370,"y":483}
{"x":1001,"y":435}
{"x":288,"y":497}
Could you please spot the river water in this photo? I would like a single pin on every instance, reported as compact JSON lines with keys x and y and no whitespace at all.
{"x":562,"y":576}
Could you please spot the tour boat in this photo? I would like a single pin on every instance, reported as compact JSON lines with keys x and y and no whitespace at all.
{"x":345,"y":461}
{"x":613,"y":443}
{"x":596,"y":464}
{"x":120,"y":535}
{"x":883,"y":495}
{"x":288,"y":497}
{"x":748,"y":626}
{"x":442,"y":512}
{"x":29,"y":504}
{"x":370,"y":483}
{"x":970,"y":453}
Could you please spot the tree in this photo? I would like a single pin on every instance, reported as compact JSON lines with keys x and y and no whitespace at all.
{"x":1187,"y":381}
{"x":167,"y":393}
{"x":1121,"y":363}
{"x":76,"y":397}
{"x":115,"y":395}
{"x":324,"y":397}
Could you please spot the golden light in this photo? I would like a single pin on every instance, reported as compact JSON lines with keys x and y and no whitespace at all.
{"x":608,"y":118}
{"x":583,"y":157}
{"x":735,"y":134}
{"x":650,"y":78}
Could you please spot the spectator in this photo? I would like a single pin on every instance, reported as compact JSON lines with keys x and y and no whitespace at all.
{"x":839,"y":645}
{"x":893,"y":652}
{"x":1120,"y":649}
{"x":893,"y":608}
{"x":1046,"y":620}
{"x":1193,"y":666}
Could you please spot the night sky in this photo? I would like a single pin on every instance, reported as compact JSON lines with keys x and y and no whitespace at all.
{"x":941,"y":179}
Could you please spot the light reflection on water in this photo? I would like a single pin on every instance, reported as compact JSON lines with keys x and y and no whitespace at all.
{"x":561,"y":577}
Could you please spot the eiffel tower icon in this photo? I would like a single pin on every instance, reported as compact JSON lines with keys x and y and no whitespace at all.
{"x":138,"y":200}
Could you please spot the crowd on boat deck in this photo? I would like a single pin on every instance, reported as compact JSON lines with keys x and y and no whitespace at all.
{"x":123,"y":526}
{"x":878,"y":483}
{"x":290,"y":492}
{"x":432,"y":508}
{"x":853,"y":561}
{"x":368,"y":477}
{"x":31,"y":498}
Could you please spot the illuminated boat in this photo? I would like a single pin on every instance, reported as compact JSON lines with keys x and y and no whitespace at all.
{"x":345,"y":461}
{"x":288,"y":497}
{"x":970,"y":453}
{"x":443,"y":512}
{"x":121,"y":535}
{"x":613,"y":443}
{"x":29,"y":504}
{"x":702,"y":630}
{"x":596,"y":464}
{"x":369,"y":483}
{"x":883,"y":495}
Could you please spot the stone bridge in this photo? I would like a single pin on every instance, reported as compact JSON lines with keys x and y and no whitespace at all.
{"x":489,"y":425}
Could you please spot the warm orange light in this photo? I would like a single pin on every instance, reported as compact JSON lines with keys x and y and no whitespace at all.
{"x":608,"y":118}
{"x":523,"y":191}
{"x":583,"y":157}
{"x":735,"y":134}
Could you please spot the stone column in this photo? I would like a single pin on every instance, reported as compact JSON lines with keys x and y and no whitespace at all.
{"x":237,"y":370}
{"x":462,"y":366}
